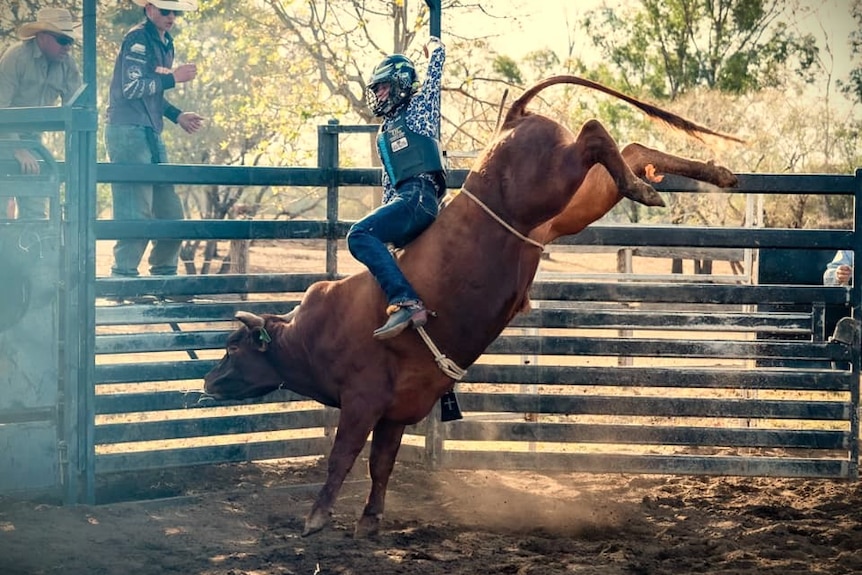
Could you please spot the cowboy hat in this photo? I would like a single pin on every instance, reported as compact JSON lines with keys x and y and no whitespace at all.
{"x":178,"y":5}
{"x":54,"y":20}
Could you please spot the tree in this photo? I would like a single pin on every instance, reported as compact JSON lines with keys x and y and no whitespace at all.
{"x":853,"y":87}
{"x":346,"y":38}
{"x":667,"y":47}
{"x":20,"y":11}
{"x":260,"y":100}
{"x":784,"y":134}
{"x":688,"y":51}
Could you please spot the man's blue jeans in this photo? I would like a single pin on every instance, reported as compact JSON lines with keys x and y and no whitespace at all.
{"x":134,"y":201}
{"x":398,"y":222}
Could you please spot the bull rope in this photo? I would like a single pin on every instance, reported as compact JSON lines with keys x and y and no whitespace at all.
{"x":518,"y":234}
{"x":446,"y":365}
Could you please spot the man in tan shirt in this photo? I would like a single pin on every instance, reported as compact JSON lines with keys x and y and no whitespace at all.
{"x":38,"y":71}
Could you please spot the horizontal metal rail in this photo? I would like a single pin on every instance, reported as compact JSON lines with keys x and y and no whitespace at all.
{"x":791,"y":420}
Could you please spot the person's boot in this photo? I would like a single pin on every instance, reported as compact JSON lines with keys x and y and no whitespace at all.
{"x":401,"y":316}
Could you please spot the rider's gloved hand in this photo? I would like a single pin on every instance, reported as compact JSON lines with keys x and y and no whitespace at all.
{"x":432,"y":44}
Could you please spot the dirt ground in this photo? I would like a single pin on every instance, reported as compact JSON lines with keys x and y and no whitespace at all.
{"x":246,"y":520}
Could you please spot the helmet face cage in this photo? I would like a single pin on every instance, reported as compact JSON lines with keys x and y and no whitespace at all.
{"x":398,"y":72}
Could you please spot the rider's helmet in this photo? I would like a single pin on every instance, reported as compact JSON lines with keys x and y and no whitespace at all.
{"x":398,"y":71}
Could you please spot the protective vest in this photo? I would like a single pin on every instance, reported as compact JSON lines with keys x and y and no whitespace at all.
{"x":405,"y":154}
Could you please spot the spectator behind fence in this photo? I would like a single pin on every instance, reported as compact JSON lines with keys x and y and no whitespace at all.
{"x":839,"y":272}
{"x":143,"y":71}
{"x":37,"y":71}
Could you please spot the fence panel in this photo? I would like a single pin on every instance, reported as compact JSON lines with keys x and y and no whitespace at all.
{"x":553,"y":392}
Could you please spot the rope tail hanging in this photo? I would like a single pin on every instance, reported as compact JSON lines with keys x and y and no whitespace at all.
{"x":445,"y":364}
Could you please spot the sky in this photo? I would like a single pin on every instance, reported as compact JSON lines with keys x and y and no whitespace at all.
{"x":548,"y":23}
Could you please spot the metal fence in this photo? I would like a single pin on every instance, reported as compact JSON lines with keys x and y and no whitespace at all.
{"x":551,"y":393}
{"x":729,"y":401}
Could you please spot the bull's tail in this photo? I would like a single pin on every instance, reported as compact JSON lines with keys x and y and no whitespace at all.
{"x":518,"y":109}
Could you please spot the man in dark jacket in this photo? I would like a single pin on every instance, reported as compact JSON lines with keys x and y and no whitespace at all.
{"x":143,"y":72}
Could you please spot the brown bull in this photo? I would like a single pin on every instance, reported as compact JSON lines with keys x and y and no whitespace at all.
{"x":472,"y":268}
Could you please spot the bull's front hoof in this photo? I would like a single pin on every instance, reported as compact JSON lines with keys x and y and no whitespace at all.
{"x":367,"y":526}
{"x":316,"y":521}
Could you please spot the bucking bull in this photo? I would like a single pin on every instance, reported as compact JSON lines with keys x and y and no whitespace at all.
{"x":474,"y":266}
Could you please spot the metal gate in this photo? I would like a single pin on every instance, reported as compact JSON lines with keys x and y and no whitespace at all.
{"x":32,"y":449}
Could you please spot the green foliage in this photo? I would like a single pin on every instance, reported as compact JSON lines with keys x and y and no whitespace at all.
{"x":253,"y":86}
{"x":853,"y":87}
{"x":508,"y":70}
{"x":544,"y":62}
{"x":667,"y":47}
{"x":270,"y":71}
{"x":258,"y":94}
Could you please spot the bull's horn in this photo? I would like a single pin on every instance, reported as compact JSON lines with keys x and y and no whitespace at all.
{"x":251,"y":320}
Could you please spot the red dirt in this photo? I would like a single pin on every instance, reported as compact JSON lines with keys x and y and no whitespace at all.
{"x":246,"y":520}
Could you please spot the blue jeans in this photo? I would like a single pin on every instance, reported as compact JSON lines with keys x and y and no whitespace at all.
{"x":398,"y":222}
{"x":133,"y":201}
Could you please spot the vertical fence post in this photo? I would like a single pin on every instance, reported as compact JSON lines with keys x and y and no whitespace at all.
{"x":327,"y":160}
{"x":435,"y":8}
{"x":434,"y":438}
{"x":856,"y":303}
{"x":625,"y":266}
{"x":79,"y":340}
{"x":434,"y":432}
{"x":77,"y":306}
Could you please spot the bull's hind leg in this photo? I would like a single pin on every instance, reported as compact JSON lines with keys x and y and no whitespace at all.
{"x":353,"y":430}
{"x":595,"y":146}
{"x":638,"y":157}
{"x":598,"y":194}
{"x":384,"y":449}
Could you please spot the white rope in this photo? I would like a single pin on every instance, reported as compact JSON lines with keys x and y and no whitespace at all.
{"x":501,"y":222}
{"x":445,"y":364}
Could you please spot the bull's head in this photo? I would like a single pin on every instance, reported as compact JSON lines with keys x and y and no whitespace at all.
{"x":245,"y":370}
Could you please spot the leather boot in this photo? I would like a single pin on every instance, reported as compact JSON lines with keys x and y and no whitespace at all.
{"x":401,"y":316}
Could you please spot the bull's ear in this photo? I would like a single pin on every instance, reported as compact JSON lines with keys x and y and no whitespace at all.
{"x":261,"y":338}
{"x":255,"y":325}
